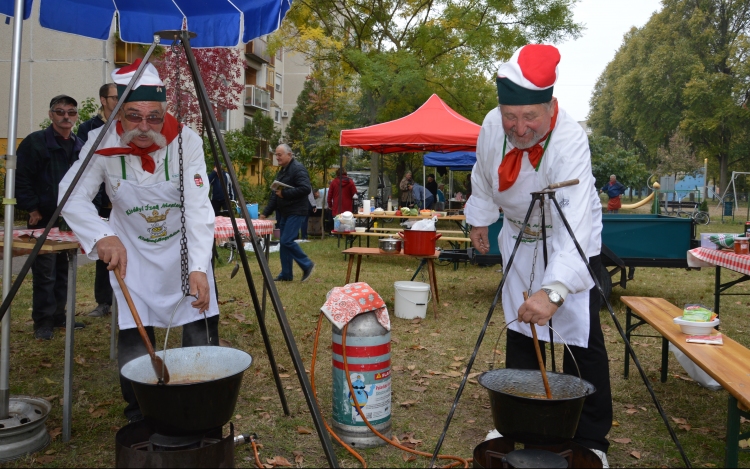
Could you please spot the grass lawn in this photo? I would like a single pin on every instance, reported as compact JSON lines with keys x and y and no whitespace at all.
{"x":427,"y":359}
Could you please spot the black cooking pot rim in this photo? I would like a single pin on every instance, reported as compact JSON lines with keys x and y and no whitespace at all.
{"x":524,"y":384}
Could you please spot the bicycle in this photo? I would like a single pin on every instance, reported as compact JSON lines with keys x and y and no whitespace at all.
{"x":698,"y":216}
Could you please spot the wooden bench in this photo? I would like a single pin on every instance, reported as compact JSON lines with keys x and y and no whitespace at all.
{"x":729,"y":364}
{"x":394,"y":230}
{"x":673,"y":206}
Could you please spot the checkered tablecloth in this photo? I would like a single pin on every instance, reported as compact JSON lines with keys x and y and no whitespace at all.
{"x":703,"y":257}
{"x":54,"y":235}
{"x":224,"y":227}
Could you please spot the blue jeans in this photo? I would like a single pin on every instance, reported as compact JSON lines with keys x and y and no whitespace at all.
{"x":427,"y":203}
{"x":288,"y":249}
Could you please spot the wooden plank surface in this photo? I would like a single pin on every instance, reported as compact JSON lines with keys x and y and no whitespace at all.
{"x":48,"y":246}
{"x":729,"y":364}
{"x":378,"y":217}
{"x":376,"y":252}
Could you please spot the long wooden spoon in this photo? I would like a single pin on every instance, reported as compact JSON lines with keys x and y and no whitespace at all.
{"x":539,"y":355}
{"x":162,"y":374}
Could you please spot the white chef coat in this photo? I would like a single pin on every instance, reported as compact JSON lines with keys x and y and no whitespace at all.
{"x":567,"y":157}
{"x":199,"y":215}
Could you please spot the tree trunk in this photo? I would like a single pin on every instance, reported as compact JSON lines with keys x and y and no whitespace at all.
{"x":723,"y":169}
{"x":374,"y":173}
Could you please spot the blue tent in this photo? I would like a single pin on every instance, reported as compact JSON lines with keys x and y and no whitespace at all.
{"x":455,"y":161}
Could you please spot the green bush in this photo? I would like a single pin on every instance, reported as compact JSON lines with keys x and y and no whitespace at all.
{"x":703,"y":206}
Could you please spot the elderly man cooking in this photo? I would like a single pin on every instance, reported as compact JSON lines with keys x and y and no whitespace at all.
{"x":138,"y":160}
{"x":526,"y":144}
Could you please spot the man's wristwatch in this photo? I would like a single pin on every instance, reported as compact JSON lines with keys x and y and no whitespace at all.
{"x":554,"y":297}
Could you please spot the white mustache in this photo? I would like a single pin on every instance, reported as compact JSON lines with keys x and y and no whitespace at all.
{"x":522,"y":146}
{"x":159,"y":139}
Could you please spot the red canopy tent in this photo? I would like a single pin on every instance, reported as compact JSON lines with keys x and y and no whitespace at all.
{"x":432,"y":127}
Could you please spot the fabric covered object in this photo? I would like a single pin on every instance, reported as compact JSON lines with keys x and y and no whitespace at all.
{"x":345,"y":303}
{"x":723,"y":240}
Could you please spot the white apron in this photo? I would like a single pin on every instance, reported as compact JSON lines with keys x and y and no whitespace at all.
{"x":571,"y":320}
{"x":147,"y":221}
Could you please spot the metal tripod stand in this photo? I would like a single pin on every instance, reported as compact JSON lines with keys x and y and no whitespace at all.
{"x":215,"y":138}
{"x":538,"y":197}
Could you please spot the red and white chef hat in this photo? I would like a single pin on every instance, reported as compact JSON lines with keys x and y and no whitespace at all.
{"x":529,"y":76}
{"x":149,"y":86}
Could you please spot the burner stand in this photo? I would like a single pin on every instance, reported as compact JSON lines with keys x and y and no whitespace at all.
{"x":504,"y":452}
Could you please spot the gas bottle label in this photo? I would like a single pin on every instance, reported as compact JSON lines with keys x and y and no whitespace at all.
{"x":374,"y":398}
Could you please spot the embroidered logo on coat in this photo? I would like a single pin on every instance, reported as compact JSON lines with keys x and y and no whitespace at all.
{"x":198,"y":180}
{"x":158,"y":223}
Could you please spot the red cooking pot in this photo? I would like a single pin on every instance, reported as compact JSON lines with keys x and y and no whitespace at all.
{"x":419,"y":243}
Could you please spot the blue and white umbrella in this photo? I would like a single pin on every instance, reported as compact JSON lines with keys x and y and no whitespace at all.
{"x":218,"y":23}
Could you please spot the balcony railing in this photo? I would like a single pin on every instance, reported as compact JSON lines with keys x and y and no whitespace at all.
{"x":257,"y":97}
{"x":258,"y":49}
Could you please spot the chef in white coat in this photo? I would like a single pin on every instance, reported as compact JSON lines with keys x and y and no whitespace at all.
{"x":526,"y":144}
{"x":139,"y":162}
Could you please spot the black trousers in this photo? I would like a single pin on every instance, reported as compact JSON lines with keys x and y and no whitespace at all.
{"x":596,"y":418}
{"x":130,"y":346}
{"x":102,"y":287}
{"x":50,"y":289}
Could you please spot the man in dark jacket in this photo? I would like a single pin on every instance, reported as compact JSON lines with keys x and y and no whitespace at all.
{"x":432,"y":187}
{"x":102,"y":287}
{"x":291,"y":206}
{"x":44,"y":157}
{"x":219,"y":199}
{"x":614,"y":190}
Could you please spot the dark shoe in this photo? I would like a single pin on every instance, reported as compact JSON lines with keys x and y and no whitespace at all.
{"x":308,"y":273}
{"x":281,"y":279}
{"x":100,"y":311}
{"x":44,"y":333}
{"x":60,"y":323}
{"x":135,"y":418}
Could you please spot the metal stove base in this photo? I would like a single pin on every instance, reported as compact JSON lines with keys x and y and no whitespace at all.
{"x":24,"y":431}
{"x":486,"y":454}
{"x":132,"y":440}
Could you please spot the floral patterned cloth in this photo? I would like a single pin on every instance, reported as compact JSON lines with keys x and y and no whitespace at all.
{"x":344,"y":303}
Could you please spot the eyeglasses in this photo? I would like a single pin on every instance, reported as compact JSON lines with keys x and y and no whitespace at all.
{"x":62,"y":112}
{"x":136,"y":119}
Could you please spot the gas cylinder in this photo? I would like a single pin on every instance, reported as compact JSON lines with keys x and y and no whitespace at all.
{"x":368,"y":354}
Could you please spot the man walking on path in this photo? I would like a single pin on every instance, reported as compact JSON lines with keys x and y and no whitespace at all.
{"x":614,"y":191}
{"x":291,"y":206}
{"x":44,"y":157}
{"x":102,"y":288}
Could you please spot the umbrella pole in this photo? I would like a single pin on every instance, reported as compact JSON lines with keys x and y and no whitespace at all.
{"x":262,"y":263}
{"x":10,"y":187}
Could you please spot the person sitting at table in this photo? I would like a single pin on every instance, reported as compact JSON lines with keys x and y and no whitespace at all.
{"x":421,"y":196}
{"x":139,"y":162}
{"x":440,"y":198}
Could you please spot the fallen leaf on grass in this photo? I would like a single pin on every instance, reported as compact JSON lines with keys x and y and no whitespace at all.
{"x":418,"y":389}
{"x":418,"y":347}
{"x":631,"y":411}
{"x":685,"y":427}
{"x":283,"y":375}
{"x":395,"y":340}
{"x":278,"y":461}
{"x":45,"y":459}
{"x":411,"y":367}
{"x":50,"y":452}
{"x":679,"y":420}
{"x":51,"y":398}
{"x":97,"y":413}
{"x":49,"y":381}
{"x":434,"y":334}
{"x":743,"y":420}
{"x":265,"y":416}
{"x":407,"y":404}
{"x":416,"y":321}
{"x":397,"y":368}
{"x":623,"y":441}
{"x":471,"y":421}
{"x":304,"y":431}
{"x":455,"y":364}
{"x":474,"y":375}
{"x":408,"y":457}
{"x":615,"y":423}
{"x":55,"y":432}
{"x":224,"y":343}
{"x":81,"y":361}
{"x":742,"y":444}
{"x":453,"y":374}
{"x":708,"y":464}
{"x":458,"y":359}
{"x":239,"y":317}
{"x":266,"y":398}
{"x":636,"y":454}
{"x":45,"y":364}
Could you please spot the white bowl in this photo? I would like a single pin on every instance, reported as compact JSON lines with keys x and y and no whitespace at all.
{"x":390,"y":212}
{"x":696,"y":328}
{"x":360,"y":229}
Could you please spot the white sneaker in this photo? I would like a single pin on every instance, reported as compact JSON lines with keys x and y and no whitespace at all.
{"x":492,"y":435}
{"x":603,"y":456}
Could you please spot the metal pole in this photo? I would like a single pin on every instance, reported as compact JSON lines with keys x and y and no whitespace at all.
{"x":266,"y":272}
{"x":113,"y":330}
{"x":70,"y":314}
{"x":9,"y":202}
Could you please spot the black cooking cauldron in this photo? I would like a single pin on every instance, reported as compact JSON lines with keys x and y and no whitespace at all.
{"x":204,"y":384}
{"x":521,"y":410}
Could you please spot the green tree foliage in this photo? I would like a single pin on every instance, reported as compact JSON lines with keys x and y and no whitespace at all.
{"x":608,"y":157}
{"x":686,"y":69}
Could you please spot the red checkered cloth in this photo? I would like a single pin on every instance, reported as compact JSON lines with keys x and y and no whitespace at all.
{"x":224,"y":229}
{"x":54,"y":234}
{"x":703,"y":257}
{"x":344,"y":303}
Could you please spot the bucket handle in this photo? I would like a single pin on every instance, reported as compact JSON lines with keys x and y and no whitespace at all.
{"x":565,"y":344}
{"x":169,"y":326}
{"x":429,"y":297}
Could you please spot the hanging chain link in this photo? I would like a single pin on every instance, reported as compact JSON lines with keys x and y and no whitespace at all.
{"x":536,"y":248}
{"x":176,"y":53}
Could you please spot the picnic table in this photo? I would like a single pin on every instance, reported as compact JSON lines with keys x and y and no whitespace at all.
{"x":740,"y":263}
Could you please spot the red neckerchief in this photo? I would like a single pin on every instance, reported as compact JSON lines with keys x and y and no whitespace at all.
{"x":170,"y":130}
{"x":510,"y":167}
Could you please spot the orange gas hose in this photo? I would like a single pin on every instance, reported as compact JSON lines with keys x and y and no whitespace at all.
{"x":258,"y":462}
{"x":457,"y":459}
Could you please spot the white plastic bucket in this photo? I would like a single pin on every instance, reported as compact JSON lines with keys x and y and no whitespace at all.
{"x":411,"y":299}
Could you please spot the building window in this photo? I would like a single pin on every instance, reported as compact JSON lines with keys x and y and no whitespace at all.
{"x":223,"y":119}
{"x":277,"y":115}
{"x":280,"y":54}
{"x":278,"y":83}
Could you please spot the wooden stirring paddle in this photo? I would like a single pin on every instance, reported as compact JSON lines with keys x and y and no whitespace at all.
{"x":162,"y":374}
{"x":539,"y":355}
